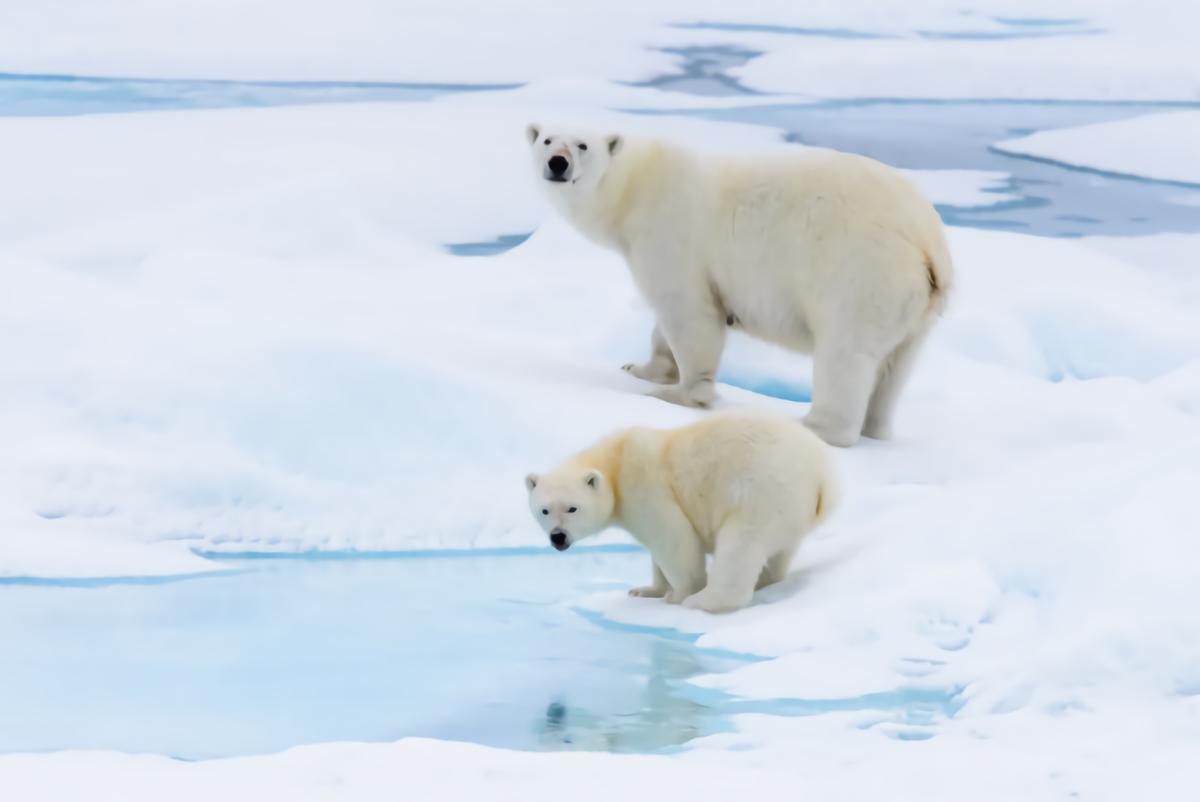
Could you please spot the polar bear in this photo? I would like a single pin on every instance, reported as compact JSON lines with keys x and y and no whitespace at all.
{"x":744,"y":488}
{"x":821,"y":252}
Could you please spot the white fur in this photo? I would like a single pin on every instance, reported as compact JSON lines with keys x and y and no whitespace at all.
{"x":745,"y":488}
{"x":818,"y":251}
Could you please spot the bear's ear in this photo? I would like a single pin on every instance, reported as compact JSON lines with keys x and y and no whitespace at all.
{"x":615,"y":141}
{"x":531,"y":132}
{"x":531,"y":481}
{"x":594,"y":479}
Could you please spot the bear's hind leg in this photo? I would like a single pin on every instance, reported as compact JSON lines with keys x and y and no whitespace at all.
{"x":842,"y":385}
{"x":893,"y":375}
{"x":777,"y":567}
{"x":738,"y":561}
{"x":661,"y":367}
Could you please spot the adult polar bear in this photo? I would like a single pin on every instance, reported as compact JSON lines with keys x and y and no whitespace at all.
{"x":821,"y":252}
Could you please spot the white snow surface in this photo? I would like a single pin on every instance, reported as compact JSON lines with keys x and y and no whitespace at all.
{"x":1163,"y":146}
{"x":1067,"y":49}
{"x":970,"y":189}
{"x":239,"y":330}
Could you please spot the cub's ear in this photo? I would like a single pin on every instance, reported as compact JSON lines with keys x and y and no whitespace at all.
{"x":532,"y":131}
{"x":594,"y":479}
{"x":531,"y":481}
{"x":615,"y":141}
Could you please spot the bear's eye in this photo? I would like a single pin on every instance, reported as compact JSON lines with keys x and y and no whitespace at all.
{"x":583,"y":146}
{"x":545,"y":512}
{"x":572,"y":509}
{"x":547,"y":142}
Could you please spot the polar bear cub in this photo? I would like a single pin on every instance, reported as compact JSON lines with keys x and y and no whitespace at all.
{"x":818,"y":251}
{"x":744,"y":488}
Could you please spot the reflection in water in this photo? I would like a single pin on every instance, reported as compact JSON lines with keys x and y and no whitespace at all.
{"x":664,"y":717}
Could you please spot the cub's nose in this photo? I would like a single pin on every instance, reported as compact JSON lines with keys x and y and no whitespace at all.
{"x":558,"y":539}
{"x":558,"y":166}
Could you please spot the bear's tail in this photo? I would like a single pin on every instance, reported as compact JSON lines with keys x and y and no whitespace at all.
{"x":939,"y":271}
{"x":828,"y":499}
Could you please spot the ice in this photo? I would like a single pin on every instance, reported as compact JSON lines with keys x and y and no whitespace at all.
{"x":968,"y":189}
{"x":232,"y":338}
{"x":1101,"y":69}
{"x":1161,"y":147}
{"x":267,"y":348}
{"x":830,"y":48}
{"x":241,"y":330}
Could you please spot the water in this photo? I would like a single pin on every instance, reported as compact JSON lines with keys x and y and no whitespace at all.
{"x":502,"y":243}
{"x":1049,"y":199}
{"x":483,"y":646}
{"x":703,"y":71}
{"x":291,"y":651}
{"x":1043,"y":198}
{"x":69,"y":95}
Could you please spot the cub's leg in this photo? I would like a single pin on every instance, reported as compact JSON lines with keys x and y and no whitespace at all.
{"x":675,"y":548}
{"x":893,"y":375}
{"x":842,"y":383}
{"x":683,"y":566}
{"x":658,"y":588}
{"x":738,"y":561}
{"x":777,"y":567}
{"x":697,"y":338}
{"x":661,"y":367}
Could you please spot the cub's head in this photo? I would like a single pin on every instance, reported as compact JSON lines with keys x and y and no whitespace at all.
{"x":571,"y":161}
{"x":570,"y":503}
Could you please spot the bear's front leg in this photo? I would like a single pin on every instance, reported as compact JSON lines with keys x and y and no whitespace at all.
{"x":661,"y":367}
{"x":696,"y":337}
{"x":673,"y":544}
{"x":659,"y":588}
{"x":682,"y":562}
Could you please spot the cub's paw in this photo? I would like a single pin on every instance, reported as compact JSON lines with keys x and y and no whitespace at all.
{"x":648,"y":592}
{"x":674,"y":597}
{"x":711,"y":602}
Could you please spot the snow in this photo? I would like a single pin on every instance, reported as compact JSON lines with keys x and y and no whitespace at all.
{"x":240,"y":330}
{"x":1102,"y":69}
{"x":1161,"y":147}
{"x":937,"y":48}
{"x":227,"y":341}
{"x":1022,"y":756}
{"x":264,"y":346}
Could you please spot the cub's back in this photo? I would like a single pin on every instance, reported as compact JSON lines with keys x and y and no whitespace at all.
{"x":725,"y":461}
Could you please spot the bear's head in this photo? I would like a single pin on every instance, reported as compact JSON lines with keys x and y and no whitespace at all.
{"x":570,"y":503}
{"x":571,"y":161}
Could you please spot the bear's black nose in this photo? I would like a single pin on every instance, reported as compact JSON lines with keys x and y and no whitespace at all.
{"x":558,"y":539}
{"x":558,"y":165}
